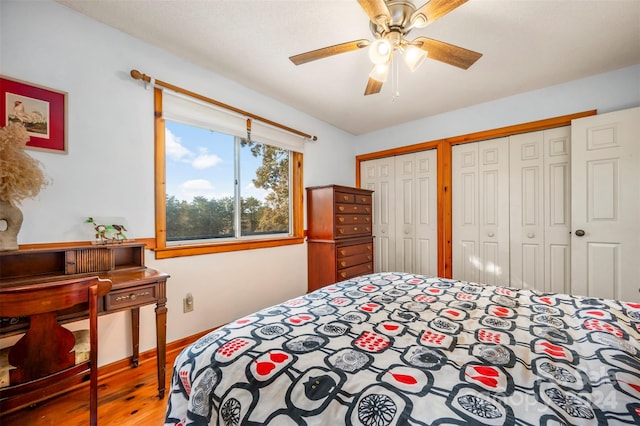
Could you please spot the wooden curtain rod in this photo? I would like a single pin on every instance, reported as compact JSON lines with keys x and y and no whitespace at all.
{"x":137,"y":75}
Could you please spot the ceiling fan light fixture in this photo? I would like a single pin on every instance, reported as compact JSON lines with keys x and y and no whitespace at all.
{"x":380,"y":51}
{"x":380,"y":72}
{"x":414,"y":57}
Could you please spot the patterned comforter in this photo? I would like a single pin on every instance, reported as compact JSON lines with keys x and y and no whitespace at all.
{"x":395,"y":348}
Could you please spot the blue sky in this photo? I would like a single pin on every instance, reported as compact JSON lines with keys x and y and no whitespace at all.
{"x":200,"y":163}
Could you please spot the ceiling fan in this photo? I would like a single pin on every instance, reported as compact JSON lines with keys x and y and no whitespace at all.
{"x":391,"y":22}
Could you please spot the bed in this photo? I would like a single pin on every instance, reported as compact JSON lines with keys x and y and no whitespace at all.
{"x":396,"y":348}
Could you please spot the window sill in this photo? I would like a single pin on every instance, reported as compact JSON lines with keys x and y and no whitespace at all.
{"x":193,"y":250}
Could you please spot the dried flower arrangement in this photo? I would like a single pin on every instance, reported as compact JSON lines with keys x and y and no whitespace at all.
{"x":20,"y":174}
{"x":20,"y":177}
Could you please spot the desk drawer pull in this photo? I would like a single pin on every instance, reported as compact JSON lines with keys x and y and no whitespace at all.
{"x":132,"y":296}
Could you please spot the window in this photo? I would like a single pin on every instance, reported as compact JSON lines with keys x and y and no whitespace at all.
{"x":216,"y":189}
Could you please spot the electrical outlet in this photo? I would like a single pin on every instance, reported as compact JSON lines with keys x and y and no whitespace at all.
{"x":187,"y":303}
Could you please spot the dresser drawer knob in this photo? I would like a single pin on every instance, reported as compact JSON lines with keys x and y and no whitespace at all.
{"x":343,"y":263}
{"x":355,"y":228}
{"x":341,"y":219}
{"x":345,"y":197}
{"x":368,"y":257}
{"x":341,"y":231}
{"x":355,"y":218}
{"x":341,"y":208}
{"x":132,"y":297}
{"x":343,"y":274}
{"x":342,"y":252}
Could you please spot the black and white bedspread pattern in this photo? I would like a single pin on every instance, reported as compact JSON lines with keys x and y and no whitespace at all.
{"x":395,"y":348}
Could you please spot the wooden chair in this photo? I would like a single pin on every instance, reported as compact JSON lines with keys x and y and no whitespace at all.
{"x":44,"y":358}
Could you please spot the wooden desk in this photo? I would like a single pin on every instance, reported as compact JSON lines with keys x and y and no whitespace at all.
{"x":134,"y":285}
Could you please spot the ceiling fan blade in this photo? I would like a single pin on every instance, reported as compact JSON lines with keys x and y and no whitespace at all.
{"x":447,"y":53}
{"x":436,"y":9}
{"x":313,"y":55}
{"x":373,"y":86}
{"x":376,"y":10}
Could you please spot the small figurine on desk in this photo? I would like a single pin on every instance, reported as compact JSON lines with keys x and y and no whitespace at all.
{"x":106,"y":234}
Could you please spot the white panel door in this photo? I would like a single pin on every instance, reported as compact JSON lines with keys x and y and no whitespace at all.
{"x":379,"y":176}
{"x":605,"y":176}
{"x":493,"y":209}
{"x":426,"y":213}
{"x":480,"y":216}
{"x":557,"y":211}
{"x":464,"y":215}
{"x":540,"y":210}
{"x":527,"y":210}
{"x":416,"y":213}
{"x":405,"y":212}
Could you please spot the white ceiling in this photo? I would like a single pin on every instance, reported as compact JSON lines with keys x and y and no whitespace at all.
{"x":526,"y":45}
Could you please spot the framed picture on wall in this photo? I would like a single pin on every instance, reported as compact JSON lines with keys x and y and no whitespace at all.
{"x":41,"y":110}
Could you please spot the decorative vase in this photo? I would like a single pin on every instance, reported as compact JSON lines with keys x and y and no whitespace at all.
{"x":10,"y":223}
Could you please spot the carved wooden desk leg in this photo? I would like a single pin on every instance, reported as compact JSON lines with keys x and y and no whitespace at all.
{"x":135,"y":336}
{"x":161,"y":342}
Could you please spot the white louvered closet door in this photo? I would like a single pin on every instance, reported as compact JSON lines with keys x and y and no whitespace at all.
{"x":540,"y":185}
{"x":416,"y":213}
{"x":480,"y":216}
{"x":379,"y":176}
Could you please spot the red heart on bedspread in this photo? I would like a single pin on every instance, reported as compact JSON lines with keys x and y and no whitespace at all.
{"x":278,"y":357}
{"x":486,"y":371}
{"x":264,"y":368}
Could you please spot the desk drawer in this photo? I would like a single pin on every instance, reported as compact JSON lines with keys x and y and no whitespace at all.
{"x":130,"y":297}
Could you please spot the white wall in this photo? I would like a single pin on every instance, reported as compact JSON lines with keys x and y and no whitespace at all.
{"x":607,"y":92}
{"x":108,"y":170}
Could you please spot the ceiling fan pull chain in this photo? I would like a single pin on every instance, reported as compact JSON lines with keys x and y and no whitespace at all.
{"x":249,"y":130}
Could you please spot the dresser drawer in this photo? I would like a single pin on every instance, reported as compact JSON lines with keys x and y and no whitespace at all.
{"x":347,"y":262}
{"x":353,"y":219}
{"x":353,"y":208}
{"x":354,"y":271}
{"x":348,"y":251}
{"x":350,"y":230}
{"x":363,"y":199}
{"x":343,"y":197}
{"x":130,"y":297}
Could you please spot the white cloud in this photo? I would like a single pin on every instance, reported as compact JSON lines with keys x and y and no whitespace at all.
{"x":174,"y":148}
{"x":196,"y":188}
{"x":205,"y":160}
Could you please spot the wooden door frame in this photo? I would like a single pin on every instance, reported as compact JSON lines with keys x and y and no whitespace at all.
{"x":443,"y":146}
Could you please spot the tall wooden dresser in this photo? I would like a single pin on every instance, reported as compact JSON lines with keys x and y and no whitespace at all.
{"x":339,"y":237}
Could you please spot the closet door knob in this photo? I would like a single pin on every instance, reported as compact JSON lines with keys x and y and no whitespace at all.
{"x":531,"y":235}
{"x":579,"y":233}
{"x":491,"y":234}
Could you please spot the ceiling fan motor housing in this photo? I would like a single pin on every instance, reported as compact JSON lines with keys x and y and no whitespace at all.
{"x":399,"y":23}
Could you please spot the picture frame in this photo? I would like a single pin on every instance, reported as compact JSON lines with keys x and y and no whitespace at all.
{"x":42,"y":110}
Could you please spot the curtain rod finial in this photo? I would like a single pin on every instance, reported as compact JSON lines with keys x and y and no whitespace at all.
{"x":137,"y":75}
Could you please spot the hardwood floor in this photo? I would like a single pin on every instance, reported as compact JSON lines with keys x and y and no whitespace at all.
{"x":127,"y":397}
